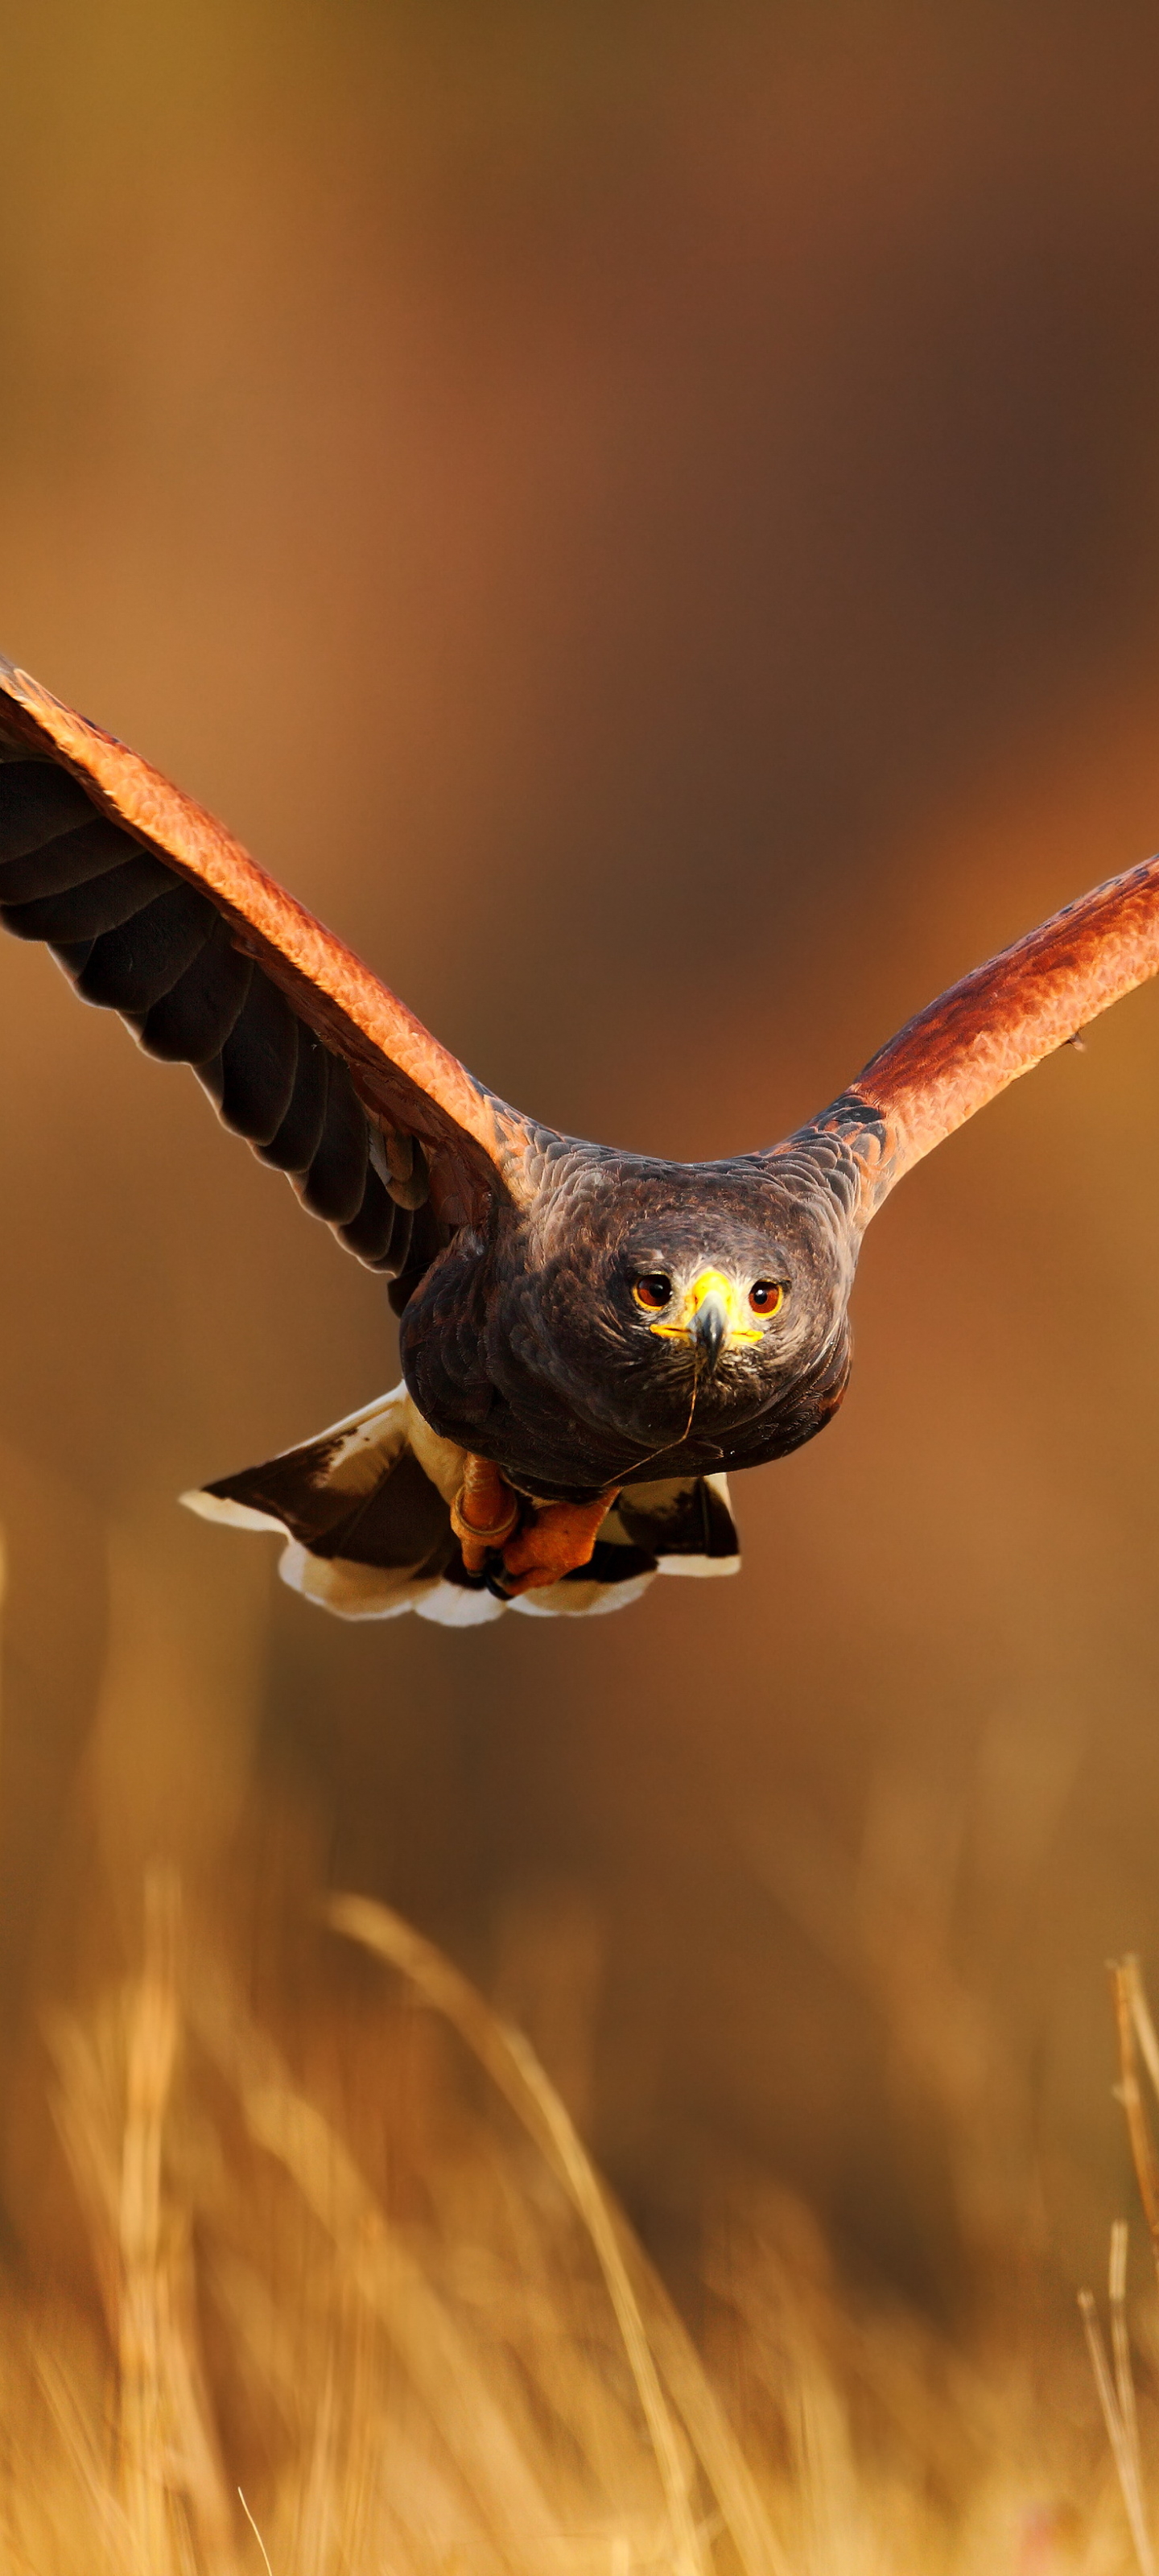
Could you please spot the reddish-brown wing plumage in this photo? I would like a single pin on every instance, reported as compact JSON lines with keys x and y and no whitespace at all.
{"x":940,"y":1068}
{"x":401,"y":1072}
{"x":1004,"y":1018}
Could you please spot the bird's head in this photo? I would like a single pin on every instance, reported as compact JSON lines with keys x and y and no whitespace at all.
{"x":680,"y":1295}
{"x":711,"y":1310}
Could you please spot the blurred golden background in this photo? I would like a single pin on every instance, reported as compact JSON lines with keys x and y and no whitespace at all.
{"x":647,"y":519}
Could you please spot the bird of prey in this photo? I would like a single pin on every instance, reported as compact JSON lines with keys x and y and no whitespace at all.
{"x":590,"y":1339}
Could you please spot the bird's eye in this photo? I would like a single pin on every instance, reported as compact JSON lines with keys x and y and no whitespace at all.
{"x":765,"y":1296}
{"x":653,"y":1290}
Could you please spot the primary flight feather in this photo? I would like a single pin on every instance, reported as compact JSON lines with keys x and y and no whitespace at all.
{"x":590,"y":1339}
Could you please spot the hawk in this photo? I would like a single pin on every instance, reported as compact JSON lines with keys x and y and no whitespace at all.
{"x":590,"y":1339}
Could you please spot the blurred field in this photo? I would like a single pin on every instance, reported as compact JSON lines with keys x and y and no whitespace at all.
{"x":441,"y":2348}
{"x":645,"y":518}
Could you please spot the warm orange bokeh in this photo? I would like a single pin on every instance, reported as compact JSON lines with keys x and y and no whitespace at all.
{"x":645,"y":518}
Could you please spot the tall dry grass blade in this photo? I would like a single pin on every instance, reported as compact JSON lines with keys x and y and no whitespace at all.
{"x":256,"y":2533}
{"x":102,"y":2145}
{"x":171,"y":2476}
{"x":195,"y":2459}
{"x":383,"y":2271}
{"x":510,"y":2061}
{"x":1121,"y":2346}
{"x":1129,"y":2485}
{"x":91,"y":2467}
{"x":437,"y":2359}
{"x":358,"y":2541}
{"x":513,"y":2066}
{"x":1127,"y":1989}
{"x":1141,"y":2016}
{"x":151,"y":2053}
{"x":312,"y":2548}
{"x":708,"y":2428}
{"x":87,"y":2108}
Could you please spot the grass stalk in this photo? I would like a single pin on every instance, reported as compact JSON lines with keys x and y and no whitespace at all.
{"x":509,"y":2059}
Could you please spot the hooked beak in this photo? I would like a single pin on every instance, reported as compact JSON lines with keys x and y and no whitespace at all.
{"x":710,"y":1317}
{"x":709,"y":1329}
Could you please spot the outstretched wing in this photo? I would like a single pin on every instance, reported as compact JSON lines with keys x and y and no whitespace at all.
{"x":994,"y":1025}
{"x":153,"y":910}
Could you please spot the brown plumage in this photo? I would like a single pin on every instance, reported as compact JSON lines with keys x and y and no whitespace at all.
{"x":590,"y":1339}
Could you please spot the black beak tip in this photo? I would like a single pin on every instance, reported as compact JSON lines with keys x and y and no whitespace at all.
{"x":709,"y":1331}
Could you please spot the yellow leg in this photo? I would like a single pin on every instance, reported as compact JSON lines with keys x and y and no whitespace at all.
{"x":484,"y":1511}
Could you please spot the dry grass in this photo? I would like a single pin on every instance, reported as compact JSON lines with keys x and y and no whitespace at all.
{"x":415,"y":2335}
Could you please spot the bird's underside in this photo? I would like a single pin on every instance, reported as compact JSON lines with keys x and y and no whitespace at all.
{"x":589,"y":1339}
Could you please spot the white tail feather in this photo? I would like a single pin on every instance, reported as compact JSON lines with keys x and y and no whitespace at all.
{"x":328,"y":1485}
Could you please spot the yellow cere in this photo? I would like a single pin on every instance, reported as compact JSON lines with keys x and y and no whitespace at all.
{"x":710,"y":1283}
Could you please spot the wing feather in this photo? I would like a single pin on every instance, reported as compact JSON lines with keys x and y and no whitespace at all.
{"x":157,"y":912}
{"x":994,"y":1025}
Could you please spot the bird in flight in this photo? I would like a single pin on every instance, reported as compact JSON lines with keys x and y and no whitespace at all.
{"x":590,"y":1339}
